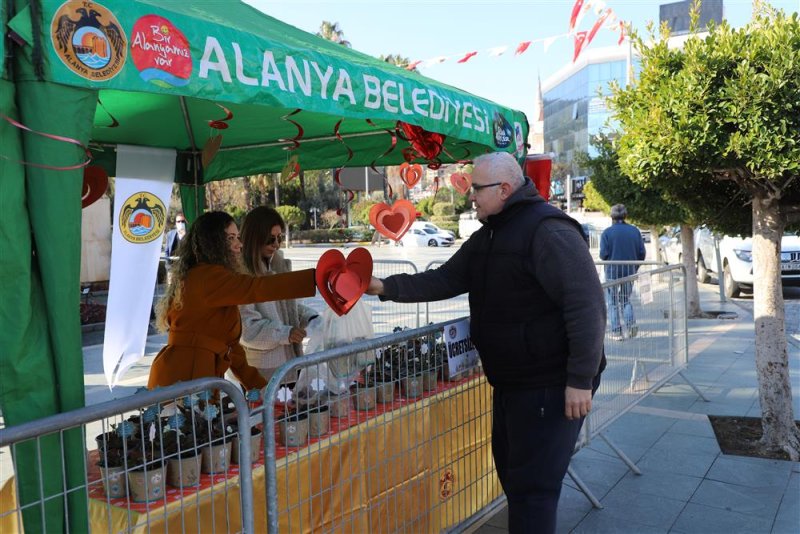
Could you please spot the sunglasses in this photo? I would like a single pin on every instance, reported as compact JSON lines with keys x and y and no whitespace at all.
{"x":271,"y":240}
{"x":476,"y":187}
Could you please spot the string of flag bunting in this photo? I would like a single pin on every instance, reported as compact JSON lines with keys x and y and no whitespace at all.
{"x":606,"y":19}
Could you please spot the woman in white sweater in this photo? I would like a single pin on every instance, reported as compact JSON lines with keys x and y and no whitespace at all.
{"x":272,"y":332}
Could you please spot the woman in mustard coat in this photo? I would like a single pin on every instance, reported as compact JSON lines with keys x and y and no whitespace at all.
{"x":200,"y":309}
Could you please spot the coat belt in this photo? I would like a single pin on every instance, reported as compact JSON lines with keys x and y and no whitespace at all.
{"x":193,"y":339}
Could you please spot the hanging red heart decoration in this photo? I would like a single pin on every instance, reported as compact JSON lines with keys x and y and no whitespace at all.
{"x":340,"y":281}
{"x":427,"y":144}
{"x":95,"y":183}
{"x":461,"y":181}
{"x":393,"y":221}
{"x":410,"y":174}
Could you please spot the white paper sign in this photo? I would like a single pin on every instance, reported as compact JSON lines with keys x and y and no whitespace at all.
{"x":461,"y":353}
{"x":645,"y":288}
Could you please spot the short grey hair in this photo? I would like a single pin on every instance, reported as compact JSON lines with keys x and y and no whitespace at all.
{"x":504,"y":166}
{"x":619,"y":212}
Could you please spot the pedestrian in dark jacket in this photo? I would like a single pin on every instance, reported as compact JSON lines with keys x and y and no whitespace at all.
{"x":537,"y":318}
{"x":621,"y":242}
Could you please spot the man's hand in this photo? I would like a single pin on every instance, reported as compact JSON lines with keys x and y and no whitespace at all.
{"x":375,"y":287}
{"x":577,"y":402}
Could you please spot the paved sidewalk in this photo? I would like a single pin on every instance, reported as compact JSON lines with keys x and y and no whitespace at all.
{"x":687,"y":485}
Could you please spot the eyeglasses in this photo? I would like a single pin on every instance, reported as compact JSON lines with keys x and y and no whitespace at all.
{"x":271,"y":240}
{"x":476,"y":188}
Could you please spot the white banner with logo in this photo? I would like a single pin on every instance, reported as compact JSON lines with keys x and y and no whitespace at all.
{"x":142,"y":190}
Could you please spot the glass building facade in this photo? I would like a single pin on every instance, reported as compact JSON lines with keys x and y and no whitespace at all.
{"x":575,"y":110}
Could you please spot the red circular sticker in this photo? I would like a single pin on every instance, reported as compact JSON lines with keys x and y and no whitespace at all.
{"x":161,"y":52}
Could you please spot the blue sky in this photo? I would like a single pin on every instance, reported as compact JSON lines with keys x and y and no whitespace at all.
{"x":428,"y":29}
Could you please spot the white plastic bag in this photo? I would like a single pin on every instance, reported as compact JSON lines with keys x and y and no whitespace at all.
{"x":333,"y":331}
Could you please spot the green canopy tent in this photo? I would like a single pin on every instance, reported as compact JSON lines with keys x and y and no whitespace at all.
{"x":174,"y":75}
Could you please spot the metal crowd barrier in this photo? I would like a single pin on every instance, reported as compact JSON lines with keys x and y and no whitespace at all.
{"x":378,"y":467}
{"x":393,"y":441}
{"x":385,"y":315}
{"x":141,"y":474}
{"x":395,"y":444}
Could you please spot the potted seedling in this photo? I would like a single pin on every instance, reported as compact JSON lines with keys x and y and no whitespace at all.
{"x":183,"y":464}
{"x":216,"y":454}
{"x":147,"y":476}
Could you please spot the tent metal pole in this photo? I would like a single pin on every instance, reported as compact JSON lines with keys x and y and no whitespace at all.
{"x":190,"y":134}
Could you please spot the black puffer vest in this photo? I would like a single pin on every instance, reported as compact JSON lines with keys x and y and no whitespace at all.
{"x":518,"y":331}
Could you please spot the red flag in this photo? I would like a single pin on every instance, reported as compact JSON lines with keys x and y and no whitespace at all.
{"x":413,"y":64}
{"x":621,"y":32}
{"x":467,"y":57}
{"x":522,"y":47}
{"x":580,"y":40}
{"x":575,"y":10}
{"x":597,"y":25}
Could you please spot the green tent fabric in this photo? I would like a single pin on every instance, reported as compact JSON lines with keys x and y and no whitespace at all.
{"x":41,"y":363}
{"x":175,"y":75}
{"x":182,"y":61}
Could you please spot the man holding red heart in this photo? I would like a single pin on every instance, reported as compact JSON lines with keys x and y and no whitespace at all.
{"x":537,"y":318}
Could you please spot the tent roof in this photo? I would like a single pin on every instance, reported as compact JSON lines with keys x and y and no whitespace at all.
{"x":171,"y":67}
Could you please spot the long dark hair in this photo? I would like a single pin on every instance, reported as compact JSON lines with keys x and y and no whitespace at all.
{"x":256,"y":229}
{"x":205,"y":242}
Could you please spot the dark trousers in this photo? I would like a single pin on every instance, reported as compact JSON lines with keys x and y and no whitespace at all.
{"x":532,"y":443}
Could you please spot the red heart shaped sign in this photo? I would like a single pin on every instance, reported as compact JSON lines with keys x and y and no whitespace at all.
{"x":340,"y":281}
{"x":95,"y":183}
{"x":427,"y":144}
{"x":393,"y":221}
{"x":410,"y":174}
{"x":462,"y":181}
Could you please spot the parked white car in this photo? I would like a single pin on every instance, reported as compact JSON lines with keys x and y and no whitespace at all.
{"x":670,"y":244}
{"x":430,"y":228}
{"x":425,"y":234}
{"x":736,"y":254}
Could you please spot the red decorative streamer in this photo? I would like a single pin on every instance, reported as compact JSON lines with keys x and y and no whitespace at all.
{"x":350,"y":194}
{"x":300,"y":131}
{"x":55,"y":138}
{"x":221,"y":124}
{"x":467,"y":57}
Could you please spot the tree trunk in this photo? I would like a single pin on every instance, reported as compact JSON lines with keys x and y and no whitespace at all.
{"x":302,"y":177}
{"x":772,"y":357}
{"x":275,"y":181}
{"x":692,"y":292}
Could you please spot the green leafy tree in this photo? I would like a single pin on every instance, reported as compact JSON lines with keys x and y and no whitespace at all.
{"x":425,"y":206}
{"x":292,"y":215}
{"x":330,"y":31}
{"x":721,"y":117}
{"x":594,"y":201}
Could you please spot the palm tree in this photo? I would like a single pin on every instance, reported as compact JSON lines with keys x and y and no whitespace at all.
{"x":397,"y":60}
{"x":331,"y":31}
